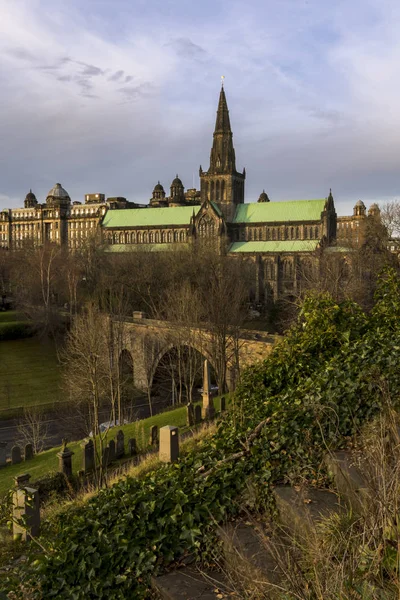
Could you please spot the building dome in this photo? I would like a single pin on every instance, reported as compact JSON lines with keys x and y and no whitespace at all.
{"x":30,"y":200}
{"x":58,"y":195}
{"x":263,"y":197}
{"x":374,"y":209}
{"x":359,"y":209}
{"x":177,"y":182}
{"x":58,"y":192}
{"x":158,"y":188}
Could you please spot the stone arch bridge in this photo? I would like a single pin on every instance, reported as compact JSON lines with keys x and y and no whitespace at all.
{"x":148,"y":340}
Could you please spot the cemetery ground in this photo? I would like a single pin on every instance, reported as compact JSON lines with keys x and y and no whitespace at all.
{"x":46,"y":463}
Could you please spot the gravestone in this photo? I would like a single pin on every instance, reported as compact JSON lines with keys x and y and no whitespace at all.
{"x":197,"y":414}
{"x":88,"y":456}
{"x":190,"y":414}
{"x":169,"y":444}
{"x":132,"y":448}
{"x":28,"y":452}
{"x":26,"y":513}
{"x":120,"y":450}
{"x":223,"y":404}
{"x":208,"y":410}
{"x":16,"y":455}
{"x":111,"y":451}
{"x":154,"y":436}
{"x":3,"y":454}
{"x":65,"y":460}
{"x":22,"y":480}
{"x":106,"y":457}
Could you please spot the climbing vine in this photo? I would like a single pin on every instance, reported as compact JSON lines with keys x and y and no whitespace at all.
{"x":315,"y":389}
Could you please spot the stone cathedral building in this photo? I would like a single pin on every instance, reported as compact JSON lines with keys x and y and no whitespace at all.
{"x":281,"y":240}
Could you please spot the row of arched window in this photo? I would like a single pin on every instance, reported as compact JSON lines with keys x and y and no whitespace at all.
{"x":279,"y":233}
{"x":147,"y":237}
{"x":287,"y":268}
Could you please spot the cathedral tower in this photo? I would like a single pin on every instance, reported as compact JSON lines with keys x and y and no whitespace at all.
{"x":222,"y":184}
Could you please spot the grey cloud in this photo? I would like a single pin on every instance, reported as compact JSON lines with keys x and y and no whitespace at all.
{"x":186,"y":48}
{"x":64,"y":78}
{"x":132,"y":92}
{"x":117,"y":75}
{"x":128,"y":78}
{"x":331,"y":116}
{"x":21,"y":54}
{"x":91,"y":70}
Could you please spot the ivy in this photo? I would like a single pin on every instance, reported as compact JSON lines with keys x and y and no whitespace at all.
{"x":317,"y":387}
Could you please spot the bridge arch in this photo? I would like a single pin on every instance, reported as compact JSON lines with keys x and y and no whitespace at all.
{"x":169,"y":352}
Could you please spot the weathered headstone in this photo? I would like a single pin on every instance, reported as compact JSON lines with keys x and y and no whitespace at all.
{"x":197,"y":414}
{"x":106,"y":457}
{"x":16,"y":455}
{"x":111,"y":451}
{"x":169,"y":444}
{"x":3,"y":454}
{"x":190,"y":414}
{"x":22,"y":480}
{"x":88,"y":456}
{"x":26,"y":513}
{"x":120,"y":450}
{"x":65,"y":460}
{"x":208,"y":410}
{"x":154,"y":436}
{"x":28,"y":451}
{"x":132,"y":448}
{"x":223,"y":404}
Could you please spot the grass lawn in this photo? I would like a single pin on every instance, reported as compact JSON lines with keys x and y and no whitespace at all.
{"x":29,"y":373}
{"x":46,"y":462}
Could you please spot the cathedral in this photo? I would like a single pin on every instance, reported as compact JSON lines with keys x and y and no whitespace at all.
{"x":281,"y":240}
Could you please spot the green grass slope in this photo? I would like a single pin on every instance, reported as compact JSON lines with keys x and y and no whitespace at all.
{"x":29,"y":373}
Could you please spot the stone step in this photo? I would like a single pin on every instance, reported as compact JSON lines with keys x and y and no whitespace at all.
{"x":246,"y":553}
{"x":349,"y":480}
{"x":300,"y":509}
{"x":189,"y":583}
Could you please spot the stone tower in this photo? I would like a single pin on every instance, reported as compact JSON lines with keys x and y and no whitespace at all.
{"x":222,"y":183}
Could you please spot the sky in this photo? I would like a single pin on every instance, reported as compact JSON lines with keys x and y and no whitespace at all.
{"x":110,"y":96}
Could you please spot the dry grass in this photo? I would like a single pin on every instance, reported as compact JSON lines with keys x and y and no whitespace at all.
{"x":350,"y":555}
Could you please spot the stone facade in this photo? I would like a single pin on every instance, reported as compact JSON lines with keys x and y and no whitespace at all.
{"x":280,"y":240}
{"x":58,"y":220}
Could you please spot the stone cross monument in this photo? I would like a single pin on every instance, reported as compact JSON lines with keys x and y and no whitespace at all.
{"x":208,"y":410}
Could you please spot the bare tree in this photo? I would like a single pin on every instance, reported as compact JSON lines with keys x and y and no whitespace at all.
{"x":86,"y":374}
{"x":32,"y":428}
{"x":390,"y":216}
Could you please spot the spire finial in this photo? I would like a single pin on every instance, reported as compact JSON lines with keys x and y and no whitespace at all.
{"x":222,"y":80}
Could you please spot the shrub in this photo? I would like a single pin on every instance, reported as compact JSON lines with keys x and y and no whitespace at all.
{"x":315,"y":389}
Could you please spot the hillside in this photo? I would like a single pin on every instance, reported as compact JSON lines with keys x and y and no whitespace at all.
{"x":330,"y":375}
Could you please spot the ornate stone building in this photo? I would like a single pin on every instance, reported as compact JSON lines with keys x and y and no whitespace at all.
{"x":281,"y":240}
{"x":57,"y":220}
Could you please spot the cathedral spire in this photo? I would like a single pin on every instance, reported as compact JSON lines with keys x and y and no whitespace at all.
{"x":222,"y":123}
{"x":222,"y":157}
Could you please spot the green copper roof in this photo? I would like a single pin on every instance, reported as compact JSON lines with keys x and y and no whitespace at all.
{"x":145,"y":247}
{"x":284,"y":246}
{"x":149,"y":217}
{"x":268,"y":212}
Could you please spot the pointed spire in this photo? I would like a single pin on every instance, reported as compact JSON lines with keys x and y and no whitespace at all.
{"x":222,"y":123}
{"x":330,"y":197}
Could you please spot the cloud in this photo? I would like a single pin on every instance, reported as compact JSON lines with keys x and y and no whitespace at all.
{"x":185,"y":48}
{"x":119,"y":98}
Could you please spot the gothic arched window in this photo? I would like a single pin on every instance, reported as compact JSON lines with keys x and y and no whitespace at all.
{"x":157,"y":237}
{"x":151,"y":237}
{"x":169,"y":236}
{"x":163,"y":237}
{"x":139,"y":238}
